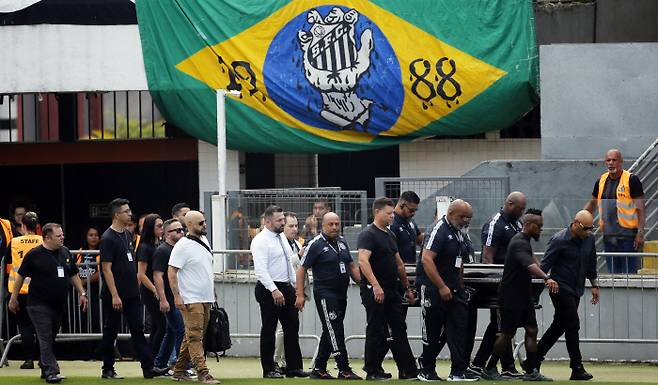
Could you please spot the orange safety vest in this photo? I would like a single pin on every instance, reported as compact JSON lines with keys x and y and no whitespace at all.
{"x":626,"y":209}
{"x":20,"y":246}
{"x":5,"y":225}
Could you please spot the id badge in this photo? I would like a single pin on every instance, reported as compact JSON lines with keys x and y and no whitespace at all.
{"x":130,"y":256}
{"x":60,"y":271}
{"x":458,"y":262}
{"x":343,"y":270}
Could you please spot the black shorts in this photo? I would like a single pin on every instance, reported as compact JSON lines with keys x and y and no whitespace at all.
{"x":514,"y":317}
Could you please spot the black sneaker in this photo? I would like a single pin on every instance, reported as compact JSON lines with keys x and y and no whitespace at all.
{"x":272,"y":374}
{"x":321,"y":374}
{"x":464,"y":377}
{"x":511,"y":374}
{"x":348,"y":375}
{"x":297,"y":373}
{"x":111,"y":374}
{"x":476,"y":370}
{"x":580,"y":374}
{"x":28,"y":364}
{"x":428,"y":375}
{"x":378,"y":376}
{"x":535,"y":376}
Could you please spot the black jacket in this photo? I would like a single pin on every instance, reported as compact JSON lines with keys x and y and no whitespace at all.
{"x":570,"y":260}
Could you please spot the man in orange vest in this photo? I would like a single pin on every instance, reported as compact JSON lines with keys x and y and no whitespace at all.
{"x":620,"y":200}
{"x":18,"y":247}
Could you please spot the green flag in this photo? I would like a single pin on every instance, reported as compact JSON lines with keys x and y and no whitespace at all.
{"x":328,"y":76}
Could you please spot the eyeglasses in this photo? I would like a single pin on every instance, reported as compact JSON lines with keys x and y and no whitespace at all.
{"x":178,"y":230}
{"x":201,"y":223}
{"x":586,"y":228}
{"x":411,"y":210}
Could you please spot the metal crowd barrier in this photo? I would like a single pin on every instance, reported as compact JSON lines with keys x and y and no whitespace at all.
{"x":74,"y":329}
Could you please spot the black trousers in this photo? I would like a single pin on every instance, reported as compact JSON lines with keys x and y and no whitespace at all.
{"x":270,"y":315}
{"x":132,"y":312}
{"x":386,"y":321}
{"x":46,"y":320}
{"x":332,"y":343}
{"x":567,"y":322}
{"x":26,"y":328}
{"x":439,"y":316}
{"x":486,"y":346}
{"x":157,"y":318}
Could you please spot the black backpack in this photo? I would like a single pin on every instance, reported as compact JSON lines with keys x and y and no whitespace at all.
{"x":217,"y":338}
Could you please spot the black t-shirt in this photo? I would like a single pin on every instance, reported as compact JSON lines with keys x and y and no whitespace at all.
{"x":516,"y":285}
{"x":49,"y":272}
{"x":161,"y":263}
{"x":609,"y":204}
{"x":452,"y":251}
{"x":498,"y":232}
{"x":330,"y":262}
{"x":145,"y":254}
{"x":382,"y":260}
{"x":406,"y":231}
{"x":116,"y":248}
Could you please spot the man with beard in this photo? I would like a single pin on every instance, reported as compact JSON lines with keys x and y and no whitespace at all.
{"x":517,"y":308}
{"x":496,"y":235}
{"x":329,"y":257}
{"x":570,"y":258}
{"x":275,"y":293}
{"x":444,"y":301}
{"x":191,"y":279}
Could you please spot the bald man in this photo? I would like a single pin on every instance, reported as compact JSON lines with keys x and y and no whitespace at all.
{"x":496,"y":236}
{"x":570,"y":258}
{"x":328,"y":255}
{"x":191,"y":280}
{"x":619,"y":196}
{"x":439,"y":280}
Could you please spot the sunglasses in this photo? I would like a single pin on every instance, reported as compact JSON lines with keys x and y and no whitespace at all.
{"x":201,"y":223}
{"x":586,"y":228}
{"x":178,"y":230}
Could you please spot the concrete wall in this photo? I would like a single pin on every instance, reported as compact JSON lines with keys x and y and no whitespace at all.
{"x":455,"y":157}
{"x":598,"y":96}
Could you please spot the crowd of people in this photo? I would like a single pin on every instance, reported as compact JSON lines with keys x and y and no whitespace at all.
{"x":168,"y":269}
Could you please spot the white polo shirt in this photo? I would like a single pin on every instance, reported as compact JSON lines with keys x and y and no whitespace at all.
{"x":195,"y":274}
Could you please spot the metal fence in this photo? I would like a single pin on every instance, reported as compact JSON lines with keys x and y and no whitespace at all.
{"x":245,"y":208}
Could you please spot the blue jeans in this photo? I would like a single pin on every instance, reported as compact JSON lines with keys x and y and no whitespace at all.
{"x":621,"y":264}
{"x":172,"y":340}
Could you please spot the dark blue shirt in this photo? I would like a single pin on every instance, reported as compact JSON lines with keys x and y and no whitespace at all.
{"x":330,"y":262}
{"x":406,"y":231}
{"x":448,"y":244}
{"x":498,"y":232}
{"x":570,"y":260}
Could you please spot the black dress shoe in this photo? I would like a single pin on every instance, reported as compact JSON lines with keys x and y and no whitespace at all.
{"x":579,"y":374}
{"x":273,"y":374}
{"x":297,"y":373}
{"x":111,"y":374}
{"x":53,"y":379}
{"x":155,"y":372}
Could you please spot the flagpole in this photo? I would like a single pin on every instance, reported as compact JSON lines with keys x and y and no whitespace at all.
{"x":219,"y":226}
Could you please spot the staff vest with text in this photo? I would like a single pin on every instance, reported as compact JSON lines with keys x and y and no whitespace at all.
{"x":20,"y":246}
{"x":626,"y":209}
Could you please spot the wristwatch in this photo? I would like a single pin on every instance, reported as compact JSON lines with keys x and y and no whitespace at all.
{"x":83,"y":293}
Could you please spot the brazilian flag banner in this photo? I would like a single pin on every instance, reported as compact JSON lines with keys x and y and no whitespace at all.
{"x":319,"y":76}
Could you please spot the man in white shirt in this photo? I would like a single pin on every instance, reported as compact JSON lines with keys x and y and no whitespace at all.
{"x":191,"y":280}
{"x":275,"y":293}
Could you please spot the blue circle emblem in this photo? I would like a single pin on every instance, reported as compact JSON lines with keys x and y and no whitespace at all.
{"x":332,"y":68}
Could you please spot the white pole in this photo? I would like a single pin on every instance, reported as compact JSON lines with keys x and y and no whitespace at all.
{"x":220,"y":220}
{"x":219,"y":224}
